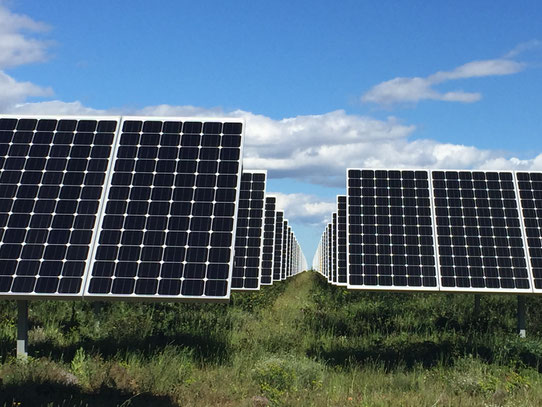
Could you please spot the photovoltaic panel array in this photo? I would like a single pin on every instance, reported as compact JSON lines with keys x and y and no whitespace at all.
{"x":334,"y":247}
{"x":329,"y":247}
{"x":94,"y":206}
{"x":268,"y":240}
{"x":390,"y":235}
{"x":167,"y":229}
{"x":134,"y":207}
{"x":52,"y":174}
{"x":480,"y":241}
{"x":278,"y":256}
{"x":341,"y":240}
{"x":249,"y":240}
{"x":530,"y":192}
{"x":468,"y":231}
{"x":284,"y":265}
{"x":289,"y":253}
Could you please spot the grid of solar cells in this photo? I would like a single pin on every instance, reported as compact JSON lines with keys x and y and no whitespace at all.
{"x":249,"y":238}
{"x":325,"y":253}
{"x":277,"y":259}
{"x":341,"y":240}
{"x":168,"y":224}
{"x":329,"y":246}
{"x":268,"y":240}
{"x":390,"y":235}
{"x":284,"y":250}
{"x":334,"y":246}
{"x":289,"y":253}
{"x":479,"y":233}
{"x":52,"y":171}
{"x":530,"y":193}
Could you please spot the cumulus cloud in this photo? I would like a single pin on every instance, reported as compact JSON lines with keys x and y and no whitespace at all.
{"x":17,"y":46}
{"x":304,"y":208}
{"x":412,"y":90}
{"x":13,"y":92}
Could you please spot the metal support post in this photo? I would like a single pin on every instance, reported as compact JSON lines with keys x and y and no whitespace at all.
{"x":22,"y":329}
{"x":522,"y":331}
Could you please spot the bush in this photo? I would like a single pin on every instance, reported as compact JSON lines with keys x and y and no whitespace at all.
{"x":279,"y":375}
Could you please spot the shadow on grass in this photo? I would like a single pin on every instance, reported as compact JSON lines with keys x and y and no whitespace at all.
{"x":430,"y":353}
{"x":204,"y":349}
{"x":425,"y":353}
{"x":31,"y":394}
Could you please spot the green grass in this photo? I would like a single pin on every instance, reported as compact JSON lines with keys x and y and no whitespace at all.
{"x":296,"y":343}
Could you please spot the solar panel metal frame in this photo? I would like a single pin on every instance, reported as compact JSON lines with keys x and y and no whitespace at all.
{"x":435,"y":252}
{"x":521,"y":228}
{"x":101,"y":201}
{"x":158,"y":298}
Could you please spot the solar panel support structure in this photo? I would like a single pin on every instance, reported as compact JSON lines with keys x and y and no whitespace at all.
{"x":22,"y":329}
{"x":522,"y":325}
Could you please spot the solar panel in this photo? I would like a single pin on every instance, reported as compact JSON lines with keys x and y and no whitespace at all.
{"x":480,"y":241}
{"x":530,"y":193}
{"x":341,"y":240}
{"x":268,"y":240}
{"x":277,"y":259}
{"x":334,"y":247}
{"x":52,"y":172}
{"x":326,"y":252}
{"x":249,"y":240}
{"x":389,"y":230}
{"x":329,"y":247}
{"x":288,"y":252}
{"x":168,"y":226}
{"x":284,"y":250}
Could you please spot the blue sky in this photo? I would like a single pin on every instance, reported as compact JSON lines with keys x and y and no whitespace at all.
{"x":323,"y":85}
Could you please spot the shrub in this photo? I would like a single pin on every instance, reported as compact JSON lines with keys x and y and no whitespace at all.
{"x":279,"y":375}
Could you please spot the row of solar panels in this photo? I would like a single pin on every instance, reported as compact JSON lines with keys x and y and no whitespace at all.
{"x":430,"y":230}
{"x":135,"y":207}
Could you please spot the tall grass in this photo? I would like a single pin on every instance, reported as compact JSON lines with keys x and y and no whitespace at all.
{"x":296,"y":343}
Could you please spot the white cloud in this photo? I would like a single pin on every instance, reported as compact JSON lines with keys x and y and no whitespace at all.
{"x":13,"y":92}
{"x":523,"y":47}
{"x":412,"y":90}
{"x":17,"y":47}
{"x":304,"y":208}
